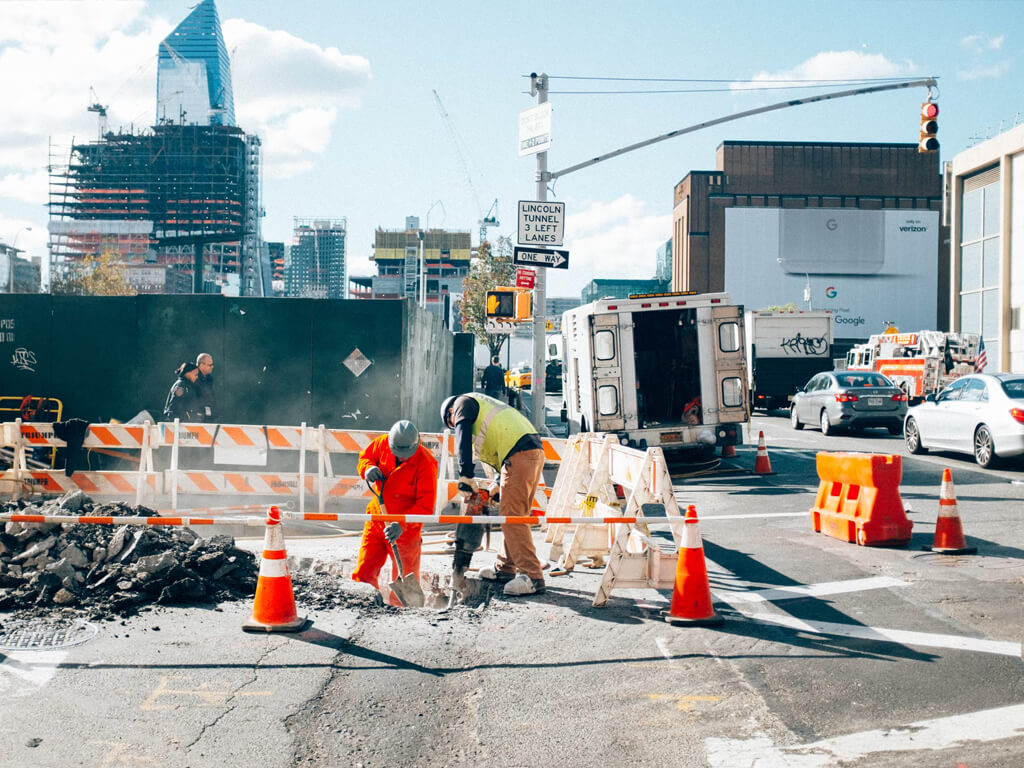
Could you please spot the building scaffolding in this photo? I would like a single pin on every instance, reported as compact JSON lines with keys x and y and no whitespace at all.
{"x":161,"y":196}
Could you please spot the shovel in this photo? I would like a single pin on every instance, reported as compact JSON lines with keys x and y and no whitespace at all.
{"x":407,"y":587}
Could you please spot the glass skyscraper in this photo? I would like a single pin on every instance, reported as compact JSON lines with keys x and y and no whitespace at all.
{"x":193,"y":81}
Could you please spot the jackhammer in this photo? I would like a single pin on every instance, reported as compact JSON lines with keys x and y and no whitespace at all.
{"x":468,"y":537}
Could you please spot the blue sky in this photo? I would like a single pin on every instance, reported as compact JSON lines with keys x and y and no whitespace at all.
{"x":343,"y":96}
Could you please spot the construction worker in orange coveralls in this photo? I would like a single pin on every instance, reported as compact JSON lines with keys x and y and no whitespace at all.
{"x":404,"y":473}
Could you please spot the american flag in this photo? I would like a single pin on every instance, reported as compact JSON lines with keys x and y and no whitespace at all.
{"x":982,"y":359}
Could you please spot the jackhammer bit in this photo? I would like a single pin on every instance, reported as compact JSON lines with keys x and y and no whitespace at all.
{"x":468,"y":537}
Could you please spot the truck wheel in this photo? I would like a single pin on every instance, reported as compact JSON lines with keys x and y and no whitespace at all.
{"x":826,"y":424}
{"x":794,"y":419}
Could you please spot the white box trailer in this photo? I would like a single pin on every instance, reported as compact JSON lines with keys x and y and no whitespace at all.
{"x":664,"y":370}
{"x":784,"y":350}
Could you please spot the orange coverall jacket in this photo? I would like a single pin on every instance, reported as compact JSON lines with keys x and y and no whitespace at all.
{"x":410,"y":488}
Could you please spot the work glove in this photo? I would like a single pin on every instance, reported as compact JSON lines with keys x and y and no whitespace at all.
{"x":466,"y":487}
{"x":373,"y":475}
{"x":392,"y":530}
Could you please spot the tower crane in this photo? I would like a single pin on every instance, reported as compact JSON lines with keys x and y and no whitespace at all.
{"x":100,"y":110}
{"x":489,"y":219}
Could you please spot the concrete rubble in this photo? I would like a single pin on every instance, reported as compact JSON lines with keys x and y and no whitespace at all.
{"x":113,"y":570}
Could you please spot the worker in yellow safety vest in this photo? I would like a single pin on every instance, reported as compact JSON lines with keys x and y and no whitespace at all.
{"x":503,"y":438}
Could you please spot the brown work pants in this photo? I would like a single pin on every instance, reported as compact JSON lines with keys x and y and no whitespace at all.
{"x":520,"y":475}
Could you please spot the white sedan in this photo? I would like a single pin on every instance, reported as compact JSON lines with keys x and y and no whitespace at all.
{"x":981,"y":414}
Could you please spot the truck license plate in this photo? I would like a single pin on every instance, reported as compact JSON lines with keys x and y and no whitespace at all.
{"x":874,"y":401}
{"x":671,"y":437}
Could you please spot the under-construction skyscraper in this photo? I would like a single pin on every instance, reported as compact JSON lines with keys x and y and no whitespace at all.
{"x":316,"y":267}
{"x":183,"y":194}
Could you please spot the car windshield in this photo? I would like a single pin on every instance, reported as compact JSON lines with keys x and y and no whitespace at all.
{"x":862,"y":380}
{"x":1014,"y":388}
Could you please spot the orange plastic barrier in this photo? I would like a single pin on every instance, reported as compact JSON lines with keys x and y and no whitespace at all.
{"x":859,"y":499}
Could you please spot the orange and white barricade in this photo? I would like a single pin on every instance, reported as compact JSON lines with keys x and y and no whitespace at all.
{"x":22,"y":437}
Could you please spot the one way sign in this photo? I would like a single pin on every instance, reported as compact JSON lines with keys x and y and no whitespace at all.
{"x":539,"y":257}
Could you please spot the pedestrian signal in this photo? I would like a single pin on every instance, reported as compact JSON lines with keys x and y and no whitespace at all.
{"x":928,"y":141}
{"x":501,"y":304}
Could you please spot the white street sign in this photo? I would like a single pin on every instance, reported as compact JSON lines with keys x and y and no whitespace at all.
{"x":541,"y":223}
{"x":538,"y":257}
{"x":535,"y":129}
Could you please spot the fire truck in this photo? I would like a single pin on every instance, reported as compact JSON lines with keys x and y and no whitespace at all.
{"x":921,"y":363}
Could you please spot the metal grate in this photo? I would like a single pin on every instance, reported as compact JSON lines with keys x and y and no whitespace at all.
{"x":27,"y":637}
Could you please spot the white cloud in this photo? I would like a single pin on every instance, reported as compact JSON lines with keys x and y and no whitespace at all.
{"x":607,"y":240}
{"x":984,"y":72}
{"x":981,"y":43}
{"x":289,"y":92}
{"x":839,"y":65}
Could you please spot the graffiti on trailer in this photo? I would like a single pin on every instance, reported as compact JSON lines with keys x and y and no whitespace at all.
{"x":23,"y":359}
{"x":800,"y":345}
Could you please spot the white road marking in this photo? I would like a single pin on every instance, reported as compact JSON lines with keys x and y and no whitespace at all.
{"x":936,"y":734}
{"x":32,"y":667}
{"x":902,"y":636}
{"x":809,"y":590}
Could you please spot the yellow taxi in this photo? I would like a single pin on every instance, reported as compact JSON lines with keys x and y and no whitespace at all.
{"x":519,"y":378}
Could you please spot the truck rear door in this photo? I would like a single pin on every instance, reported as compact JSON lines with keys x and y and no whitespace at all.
{"x":730,"y":364}
{"x":607,"y":367}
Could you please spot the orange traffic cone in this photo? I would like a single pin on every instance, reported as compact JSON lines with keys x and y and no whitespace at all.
{"x":762,"y":464}
{"x":691,"y":595}
{"x":274,"y":607}
{"x":949,"y":534}
{"x":728,"y":451}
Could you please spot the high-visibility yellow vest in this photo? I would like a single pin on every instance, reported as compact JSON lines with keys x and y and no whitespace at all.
{"x":497,"y":429}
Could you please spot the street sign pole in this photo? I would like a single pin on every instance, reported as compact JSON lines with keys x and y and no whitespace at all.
{"x":539,"y":86}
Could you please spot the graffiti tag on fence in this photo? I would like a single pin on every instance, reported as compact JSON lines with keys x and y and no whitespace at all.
{"x":23,"y":359}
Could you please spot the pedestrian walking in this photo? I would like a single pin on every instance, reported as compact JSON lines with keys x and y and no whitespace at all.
{"x":205,"y":397}
{"x":493,"y":379}
{"x":181,"y":400}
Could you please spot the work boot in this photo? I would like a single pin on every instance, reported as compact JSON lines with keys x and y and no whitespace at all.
{"x":523,"y":585}
{"x":491,"y":573}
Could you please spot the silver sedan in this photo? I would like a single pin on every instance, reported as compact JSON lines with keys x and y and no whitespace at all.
{"x":849,"y":399}
{"x":980,"y":414}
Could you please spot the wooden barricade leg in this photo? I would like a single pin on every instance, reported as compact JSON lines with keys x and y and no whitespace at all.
{"x":593,"y":539}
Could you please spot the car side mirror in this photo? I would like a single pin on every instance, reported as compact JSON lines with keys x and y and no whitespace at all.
{"x":799,"y":389}
{"x":930,"y":398}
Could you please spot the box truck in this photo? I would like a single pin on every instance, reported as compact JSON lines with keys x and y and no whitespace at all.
{"x":784,"y":350}
{"x":664,"y":370}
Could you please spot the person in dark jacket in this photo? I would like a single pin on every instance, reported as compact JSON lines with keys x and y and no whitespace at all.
{"x":181,"y":400}
{"x":493,"y":379}
{"x":205,"y":399}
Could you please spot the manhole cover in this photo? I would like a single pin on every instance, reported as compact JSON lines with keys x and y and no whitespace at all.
{"x":35,"y":636}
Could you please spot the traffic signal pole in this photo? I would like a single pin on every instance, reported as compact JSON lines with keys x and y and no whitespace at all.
{"x":539,"y":87}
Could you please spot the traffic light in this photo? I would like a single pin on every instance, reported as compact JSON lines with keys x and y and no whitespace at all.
{"x":501,"y":304}
{"x":929,"y":127}
{"x":512,"y":305}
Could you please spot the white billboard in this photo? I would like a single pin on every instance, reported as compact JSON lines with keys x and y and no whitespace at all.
{"x":869,"y":268}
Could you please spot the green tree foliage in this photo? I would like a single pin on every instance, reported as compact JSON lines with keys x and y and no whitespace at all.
{"x":95,"y":276}
{"x":490,"y":269}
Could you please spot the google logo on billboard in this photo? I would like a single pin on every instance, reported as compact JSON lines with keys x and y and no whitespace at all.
{"x":831,"y":292}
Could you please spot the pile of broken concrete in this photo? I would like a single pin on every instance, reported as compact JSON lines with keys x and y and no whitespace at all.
{"x":106,"y":570}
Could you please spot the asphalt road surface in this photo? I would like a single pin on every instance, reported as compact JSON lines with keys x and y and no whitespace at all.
{"x":830,"y":654}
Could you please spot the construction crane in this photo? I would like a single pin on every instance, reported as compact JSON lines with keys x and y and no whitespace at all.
{"x":100,"y":110}
{"x":489,"y":219}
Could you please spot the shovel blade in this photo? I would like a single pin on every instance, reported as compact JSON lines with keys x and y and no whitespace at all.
{"x":409,"y":591}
